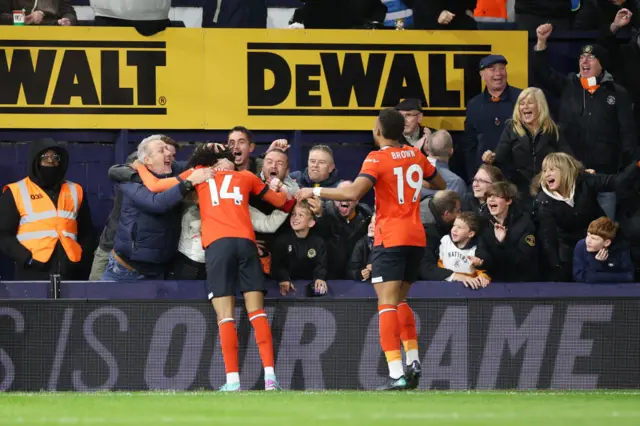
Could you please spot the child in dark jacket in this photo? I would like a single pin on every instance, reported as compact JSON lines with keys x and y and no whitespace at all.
{"x":299,"y":253}
{"x":359,"y":268}
{"x":596,"y":259}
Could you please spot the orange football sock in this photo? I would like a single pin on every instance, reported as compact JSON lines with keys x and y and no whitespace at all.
{"x":264,"y":340}
{"x":408,"y":333}
{"x":229,"y":344}
{"x":390,"y":339}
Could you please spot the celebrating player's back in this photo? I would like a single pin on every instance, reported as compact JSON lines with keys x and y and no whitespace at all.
{"x":397,"y":173}
{"x":232,"y":259}
{"x":224,"y":205}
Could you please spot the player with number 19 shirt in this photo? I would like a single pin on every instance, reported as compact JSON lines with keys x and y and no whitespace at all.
{"x":397,"y":174}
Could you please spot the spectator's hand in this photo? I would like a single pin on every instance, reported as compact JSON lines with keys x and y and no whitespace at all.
{"x":590,"y":171}
{"x":64,"y":22}
{"x":366,"y":274}
{"x":468,"y":281}
{"x":275,"y":184}
{"x":469,"y":13}
{"x":618,"y":2}
{"x":623,"y":17}
{"x":286,"y":287}
{"x":484,"y":281}
{"x":602,"y":255}
{"x":262,"y":248}
{"x":446,"y":17}
{"x":543,"y":32}
{"x":34,"y":18}
{"x":489,"y":157}
{"x":316,"y":206}
{"x":304,"y":194}
{"x":217,"y":147}
{"x":201,"y":175}
{"x":321,"y":287}
{"x":500,"y":232}
{"x":475,"y":261}
{"x":281,"y":144}
{"x":423,"y":142}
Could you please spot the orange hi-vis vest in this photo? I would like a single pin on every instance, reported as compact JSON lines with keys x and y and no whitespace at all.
{"x":491,"y":11}
{"x":42,"y":225}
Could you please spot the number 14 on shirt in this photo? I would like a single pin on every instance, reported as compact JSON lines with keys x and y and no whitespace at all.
{"x":224,"y":193}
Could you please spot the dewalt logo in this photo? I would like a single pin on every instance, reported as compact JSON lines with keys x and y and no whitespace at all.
{"x":81,"y":77}
{"x":342,"y":79}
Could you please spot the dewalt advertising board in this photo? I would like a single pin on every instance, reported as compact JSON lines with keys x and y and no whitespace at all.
{"x":113,"y":78}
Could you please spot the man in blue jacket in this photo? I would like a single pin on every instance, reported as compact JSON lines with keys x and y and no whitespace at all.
{"x":487,"y":113}
{"x":149,"y":227}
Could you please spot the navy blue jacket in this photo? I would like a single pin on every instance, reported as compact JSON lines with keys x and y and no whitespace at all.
{"x":618,"y":268}
{"x":304,"y":181}
{"x":484,"y":125}
{"x":149,"y":226}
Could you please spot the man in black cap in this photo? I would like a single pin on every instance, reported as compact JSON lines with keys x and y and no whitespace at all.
{"x":596,"y":114}
{"x":487,"y":113}
{"x":414,"y":134}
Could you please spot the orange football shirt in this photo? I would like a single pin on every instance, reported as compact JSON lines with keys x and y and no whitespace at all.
{"x":397,"y":174}
{"x":224,"y":205}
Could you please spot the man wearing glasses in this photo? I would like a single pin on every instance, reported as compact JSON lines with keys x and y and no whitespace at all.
{"x":414,"y":134}
{"x":46,"y":223}
{"x":595,"y":113}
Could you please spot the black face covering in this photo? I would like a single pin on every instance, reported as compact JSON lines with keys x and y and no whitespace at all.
{"x":50,"y":176}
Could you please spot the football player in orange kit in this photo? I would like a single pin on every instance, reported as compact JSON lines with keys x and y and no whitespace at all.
{"x":398,"y":173}
{"x":231,"y":254}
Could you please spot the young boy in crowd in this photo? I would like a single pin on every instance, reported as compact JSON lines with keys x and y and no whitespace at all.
{"x":299,"y":253}
{"x":359,"y":268}
{"x":599,"y":258}
{"x":507,"y":245}
{"x":458,"y":251}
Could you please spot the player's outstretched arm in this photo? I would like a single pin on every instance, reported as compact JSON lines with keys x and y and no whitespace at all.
{"x":351,"y":192}
{"x":155,"y":184}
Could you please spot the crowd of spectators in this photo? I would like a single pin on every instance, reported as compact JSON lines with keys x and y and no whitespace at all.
{"x":539,"y":197}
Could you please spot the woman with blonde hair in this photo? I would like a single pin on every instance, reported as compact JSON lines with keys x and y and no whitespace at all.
{"x":527,"y":139}
{"x":566,"y":202}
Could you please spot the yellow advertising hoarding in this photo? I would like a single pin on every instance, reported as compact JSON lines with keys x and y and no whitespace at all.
{"x":113,"y":78}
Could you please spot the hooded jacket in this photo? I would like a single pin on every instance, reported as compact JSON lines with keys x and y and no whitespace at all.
{"x":50,"y":181}
{"x":53,"y":10}
{"x":304,"y":181}
{"x":599,"y":127}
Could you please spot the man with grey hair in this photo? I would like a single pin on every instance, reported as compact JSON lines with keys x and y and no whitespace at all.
{"x":440,"y":148}
{"x":122,"y":173}
{"x":148,"y":229}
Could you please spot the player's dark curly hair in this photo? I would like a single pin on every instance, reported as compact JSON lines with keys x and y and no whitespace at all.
{"x":205,"y":155}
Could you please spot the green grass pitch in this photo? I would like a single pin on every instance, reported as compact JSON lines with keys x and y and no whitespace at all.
{"x":608,"y":408}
